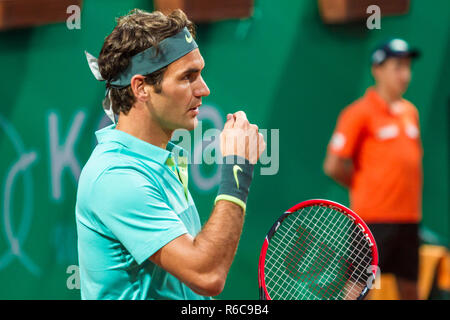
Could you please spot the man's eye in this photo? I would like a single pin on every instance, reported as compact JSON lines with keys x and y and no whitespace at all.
{"x":190,"y":77}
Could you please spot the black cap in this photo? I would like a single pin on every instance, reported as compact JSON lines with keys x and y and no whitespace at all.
{"x":395,"y":47}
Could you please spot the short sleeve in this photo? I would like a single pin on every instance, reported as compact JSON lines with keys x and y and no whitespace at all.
{"x":348,"y":131}
{"x":134,"y":210}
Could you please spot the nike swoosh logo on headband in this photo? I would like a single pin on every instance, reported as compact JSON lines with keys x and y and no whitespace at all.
{"x":188,"y":39}
{"x":235,"y":170}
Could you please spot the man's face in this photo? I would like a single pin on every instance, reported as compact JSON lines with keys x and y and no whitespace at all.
{"x":394,"y":74}
{"x":176,"y":106}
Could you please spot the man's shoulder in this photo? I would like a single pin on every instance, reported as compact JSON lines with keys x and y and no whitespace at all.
{"x":120,"y":183}
{"x":410,"y":107}
{"x":106,"y":165}
{"x":358,"y":108}
{"x":100,"y":160}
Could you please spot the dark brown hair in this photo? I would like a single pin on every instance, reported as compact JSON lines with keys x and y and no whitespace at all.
{"x":135,"y":32}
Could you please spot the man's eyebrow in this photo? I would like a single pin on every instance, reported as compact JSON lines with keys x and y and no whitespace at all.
{"x":191,"y":70}
{"x":195,"y":68}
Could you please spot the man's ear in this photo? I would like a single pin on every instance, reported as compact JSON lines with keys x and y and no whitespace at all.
{"x":140,"y":88}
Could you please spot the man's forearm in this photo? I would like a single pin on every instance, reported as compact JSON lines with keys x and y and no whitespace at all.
{"x":343,"y":178}
{"x":220,"y":236}
{"x":339,"y":169}
{"x":202,"y":262}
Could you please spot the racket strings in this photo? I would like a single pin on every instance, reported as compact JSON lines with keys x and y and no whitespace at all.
{"x":318,"y":253}
{"x":285,"y":288}
{"x":340,"y":271}
{"x":340,"y":268}
{"x":355,"y":275}
{"x":323,"y":256}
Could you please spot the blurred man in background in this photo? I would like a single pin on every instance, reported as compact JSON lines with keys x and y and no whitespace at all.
{"x":376,"y":152}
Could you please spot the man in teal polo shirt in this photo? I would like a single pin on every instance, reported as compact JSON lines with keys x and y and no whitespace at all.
{"x":139,"y":233}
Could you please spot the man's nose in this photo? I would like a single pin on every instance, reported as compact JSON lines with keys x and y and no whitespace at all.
{"x":202,"y":90}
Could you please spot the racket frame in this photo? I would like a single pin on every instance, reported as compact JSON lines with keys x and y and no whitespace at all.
{"x":263,"y":294}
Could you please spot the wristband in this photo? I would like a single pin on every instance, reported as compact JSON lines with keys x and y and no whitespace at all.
{"x":236,"y":177}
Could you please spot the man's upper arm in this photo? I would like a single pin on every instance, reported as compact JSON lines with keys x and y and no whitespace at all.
{"x":343,"y":144}
{"x":134,"y":210}
{"x":348,"y":131}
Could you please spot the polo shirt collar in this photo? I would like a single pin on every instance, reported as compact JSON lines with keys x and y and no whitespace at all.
{"x":375,"y":99}
{"x":148,"y":150}
{"x":373,"y":96}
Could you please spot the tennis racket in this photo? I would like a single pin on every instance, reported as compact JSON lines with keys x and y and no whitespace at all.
{"x":317,"y":250}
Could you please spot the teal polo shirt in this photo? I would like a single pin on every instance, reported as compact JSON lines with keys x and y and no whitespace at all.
{"x":132,"y":199}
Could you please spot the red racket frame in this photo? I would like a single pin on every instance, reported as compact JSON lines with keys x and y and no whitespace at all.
{"x":264,"y":295}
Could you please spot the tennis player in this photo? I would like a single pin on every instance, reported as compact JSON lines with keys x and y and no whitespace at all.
{"x":376,"y":152}
{"x":139,"y":232}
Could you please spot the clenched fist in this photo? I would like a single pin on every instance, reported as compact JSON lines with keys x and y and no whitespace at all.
{"x":241,"y":138}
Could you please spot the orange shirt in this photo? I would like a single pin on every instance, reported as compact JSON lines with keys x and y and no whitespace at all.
{"x":384,"y":144}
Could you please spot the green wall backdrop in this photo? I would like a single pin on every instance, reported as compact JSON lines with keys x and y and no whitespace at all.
{"x":285,"y":68}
